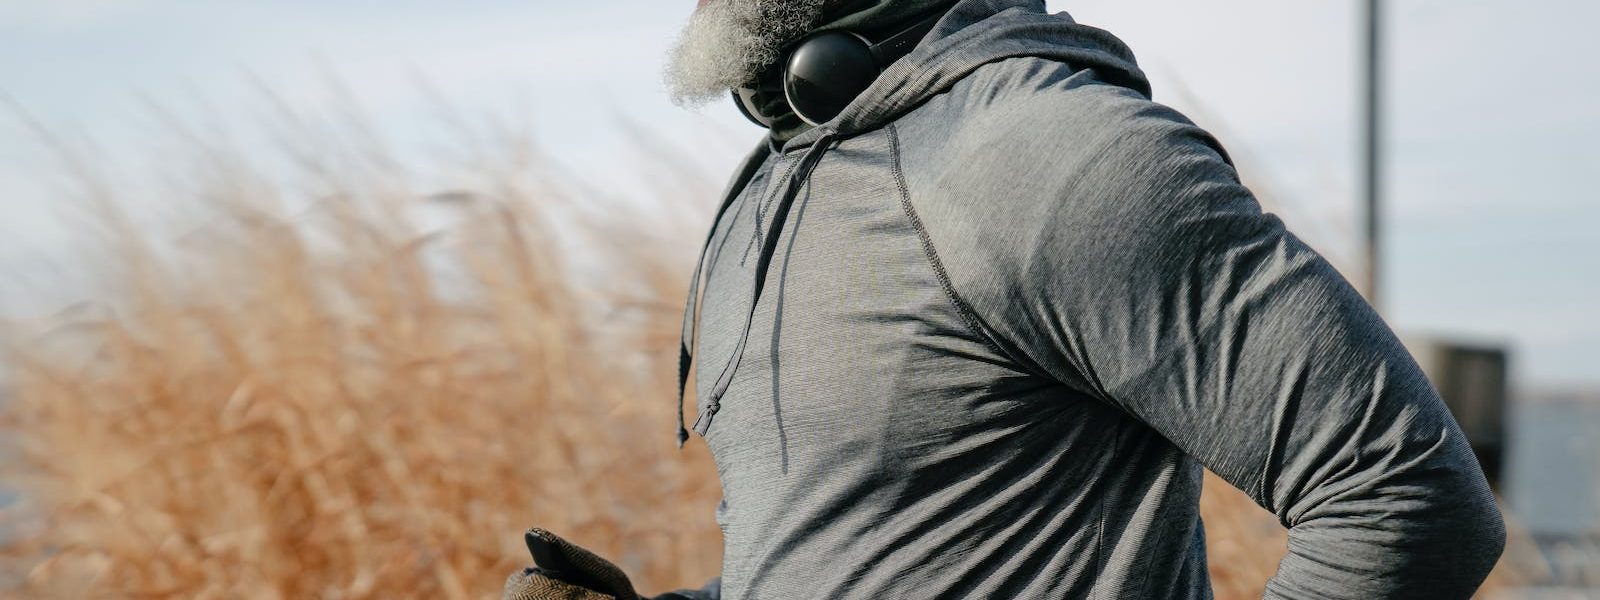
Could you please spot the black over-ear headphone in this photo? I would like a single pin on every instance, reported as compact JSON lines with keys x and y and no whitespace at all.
{"x":824,"y":72}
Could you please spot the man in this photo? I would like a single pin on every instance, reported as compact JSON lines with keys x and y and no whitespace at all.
{"x":976,"y":335}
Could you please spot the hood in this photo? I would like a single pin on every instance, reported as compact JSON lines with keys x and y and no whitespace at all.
{"x":867,"y":16}
{"x":974,"y":33}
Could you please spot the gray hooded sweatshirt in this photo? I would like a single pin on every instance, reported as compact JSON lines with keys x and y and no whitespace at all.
{"x":977,"y":336}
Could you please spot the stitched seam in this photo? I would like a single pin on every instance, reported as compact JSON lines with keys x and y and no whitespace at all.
{"x":1157,"y":540}
{"x":1095,"y":591}
{"x":968,"y":316}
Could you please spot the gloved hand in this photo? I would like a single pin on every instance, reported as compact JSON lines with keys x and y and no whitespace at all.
{"x":563,"y":571}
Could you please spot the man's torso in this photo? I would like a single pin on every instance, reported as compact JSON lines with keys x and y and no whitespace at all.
{"x":875,"y":441}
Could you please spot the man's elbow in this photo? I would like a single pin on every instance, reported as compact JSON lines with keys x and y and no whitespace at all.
{"x":1480,"y":534}
{"x":1427,"y":528}
{"x":1394,"y":544}
{"x":1454,"y":533}
{"x":1470,"y":526}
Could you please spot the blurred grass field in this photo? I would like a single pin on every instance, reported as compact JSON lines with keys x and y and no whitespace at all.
{"x":339,"y":382}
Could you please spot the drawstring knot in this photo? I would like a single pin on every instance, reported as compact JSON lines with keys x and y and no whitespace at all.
{"x":769,"y":244}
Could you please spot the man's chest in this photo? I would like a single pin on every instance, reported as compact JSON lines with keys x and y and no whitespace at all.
{"x":855,"y":347}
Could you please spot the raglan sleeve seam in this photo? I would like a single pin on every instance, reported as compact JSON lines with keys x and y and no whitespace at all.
{"x":969,"y":315}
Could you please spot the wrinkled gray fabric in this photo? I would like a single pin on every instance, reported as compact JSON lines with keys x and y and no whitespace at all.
{"x":1011,"y":313}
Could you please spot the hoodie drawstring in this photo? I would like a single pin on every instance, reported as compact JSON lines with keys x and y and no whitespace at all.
{"x":769,"y":246}
{"x":691,"y":313}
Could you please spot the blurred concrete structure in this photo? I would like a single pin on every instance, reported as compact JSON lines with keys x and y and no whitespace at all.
{"x":1474,"y":380}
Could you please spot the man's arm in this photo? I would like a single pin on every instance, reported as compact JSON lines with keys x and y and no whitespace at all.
{"x":1140,"y":269}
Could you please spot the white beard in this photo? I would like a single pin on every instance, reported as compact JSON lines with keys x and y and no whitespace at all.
{"x":728,"y":43}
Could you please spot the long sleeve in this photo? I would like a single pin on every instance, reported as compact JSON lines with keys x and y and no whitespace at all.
{"x":1141,"y":270}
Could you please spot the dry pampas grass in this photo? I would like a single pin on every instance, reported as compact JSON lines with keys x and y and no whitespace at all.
{"x":370,"y":395}
{"x":330,"y":385}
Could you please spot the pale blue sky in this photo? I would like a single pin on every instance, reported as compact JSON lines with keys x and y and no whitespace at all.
{"x":1495,"y":109}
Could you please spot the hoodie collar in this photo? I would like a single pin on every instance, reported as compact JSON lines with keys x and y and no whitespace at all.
{"x":974,"y":33}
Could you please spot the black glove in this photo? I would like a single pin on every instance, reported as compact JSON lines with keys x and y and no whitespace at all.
{"x":563,"y":571}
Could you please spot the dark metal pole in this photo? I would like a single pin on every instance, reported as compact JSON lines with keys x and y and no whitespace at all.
{"x":1371,"y":173}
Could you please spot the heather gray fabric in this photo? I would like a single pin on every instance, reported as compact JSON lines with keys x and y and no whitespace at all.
{"x":1011,"y":311}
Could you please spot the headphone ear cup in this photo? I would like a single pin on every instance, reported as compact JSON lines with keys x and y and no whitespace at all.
{"x":825,"y":72}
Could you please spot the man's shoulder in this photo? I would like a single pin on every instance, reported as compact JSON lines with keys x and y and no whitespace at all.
{"x":1031,"y":130}
{"x":1032,"y":90}
{"x":1046,"y":119}
{"x":1030,"y":162}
